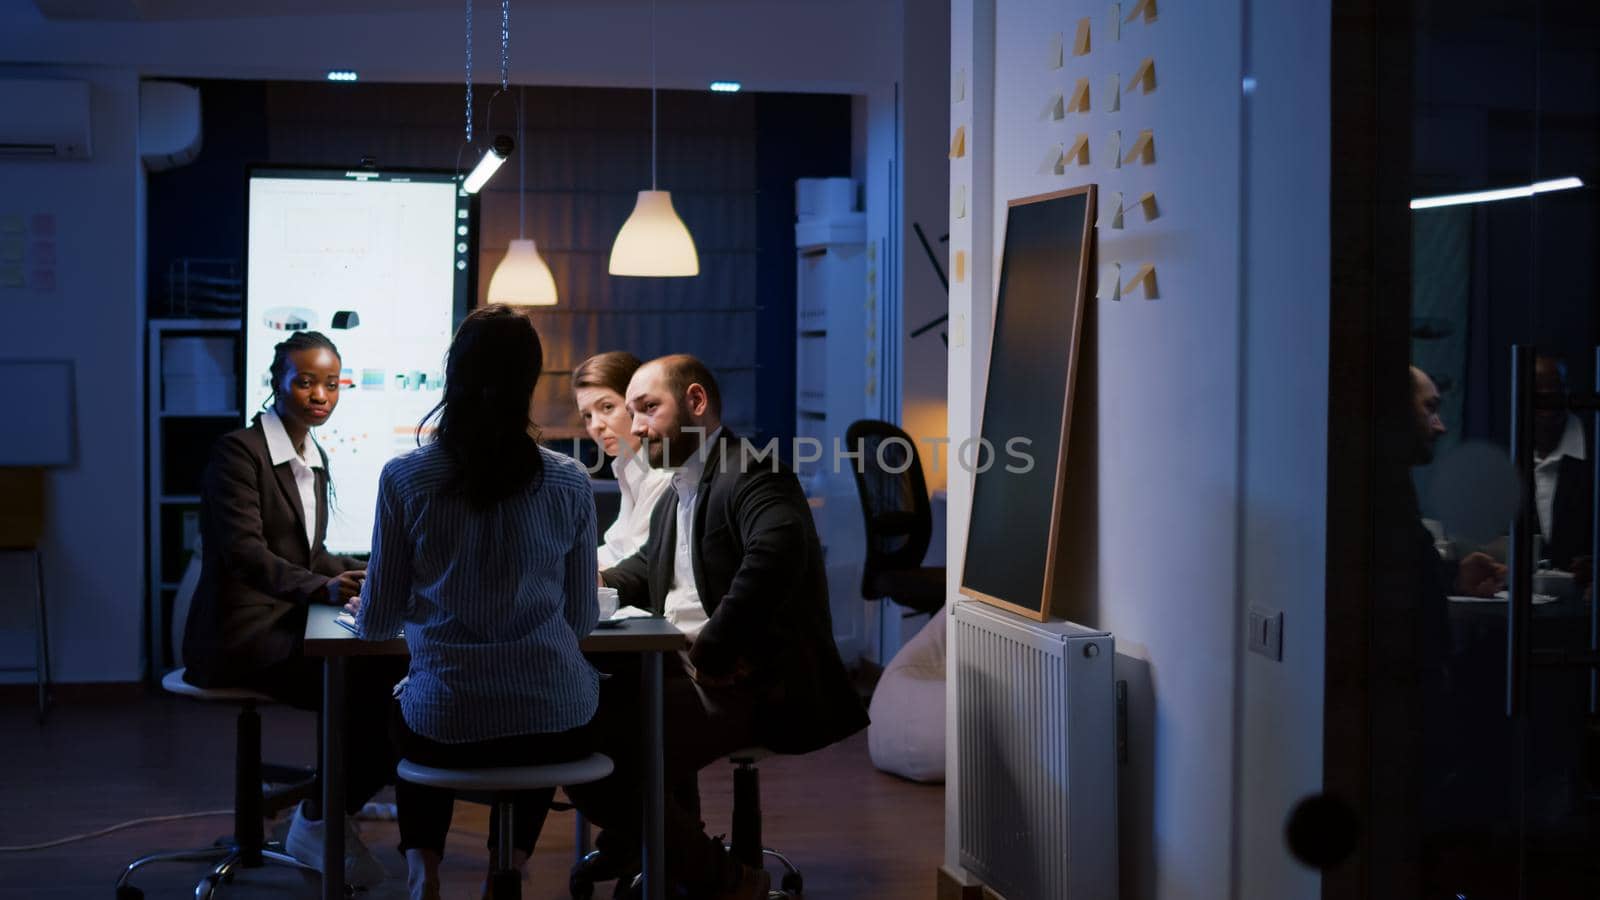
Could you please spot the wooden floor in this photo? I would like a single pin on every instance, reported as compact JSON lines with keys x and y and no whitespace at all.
{"x":853,"y":830}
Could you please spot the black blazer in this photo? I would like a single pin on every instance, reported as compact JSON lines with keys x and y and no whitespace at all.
{"x":257,"y":576}
{"x":1571,"y":524}
{"x":760,"y":577}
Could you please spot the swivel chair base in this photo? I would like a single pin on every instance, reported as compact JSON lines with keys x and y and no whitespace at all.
{"x":229,"y":857}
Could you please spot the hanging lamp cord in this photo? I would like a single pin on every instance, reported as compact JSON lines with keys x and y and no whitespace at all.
{"x":652,"y":95}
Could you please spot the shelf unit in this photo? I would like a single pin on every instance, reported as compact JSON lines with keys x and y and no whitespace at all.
{"x":192,"y":397}
{"x":831,"y":361}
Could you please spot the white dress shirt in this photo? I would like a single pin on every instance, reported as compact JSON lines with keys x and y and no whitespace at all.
{"x":1545,"y":469}
{"x":683,"y":607}
{"x":641,"y":486}
{"x":301,"y":464}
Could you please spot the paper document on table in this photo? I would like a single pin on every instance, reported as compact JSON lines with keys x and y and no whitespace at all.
{"x":631,"y":612}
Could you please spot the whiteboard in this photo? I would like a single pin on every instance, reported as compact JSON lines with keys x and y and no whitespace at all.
{"x":380,"y":263}
{"x":39,"y":412}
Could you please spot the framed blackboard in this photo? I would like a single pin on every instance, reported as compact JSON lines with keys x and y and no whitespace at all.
{"x":1020,"y":462}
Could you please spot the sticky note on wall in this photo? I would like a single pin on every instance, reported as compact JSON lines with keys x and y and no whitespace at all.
{"x":1110,"y":283}
{"x":1111,"y":216}
{"x":958,"y":142}
{"x":1144,"y":149}
{"x":958,"y":266}
{"x":1144,"y":279}
{"x":958,"y":88}
{"x":1145,"y":7}
{"x":1114,"y":92}
{"x":1052,"y":161}
{"x":1114,"y":149}
{"x":959,"y":201}
{"x":1144,"y":77}
{"x":1079,"y":154}
{"x":1115,"y":26}
{"x":1080,"y":42}
{"x":1080,"y":97}
{"x":1054,"y":108}
{"x":1147,"y":204}
{"x":1054,"y":57}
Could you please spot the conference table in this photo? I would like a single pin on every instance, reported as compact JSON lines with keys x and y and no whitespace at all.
{"x":650,"y":637}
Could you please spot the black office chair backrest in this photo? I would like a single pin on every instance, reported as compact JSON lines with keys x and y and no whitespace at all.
{"x":894,"y":499}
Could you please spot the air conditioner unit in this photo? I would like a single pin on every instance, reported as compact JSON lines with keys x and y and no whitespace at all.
{"x":44,"y":119}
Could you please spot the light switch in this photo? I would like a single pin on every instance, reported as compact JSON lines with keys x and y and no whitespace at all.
{"x":1266,"y":632}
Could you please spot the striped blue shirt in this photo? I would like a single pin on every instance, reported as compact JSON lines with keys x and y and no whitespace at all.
{"x":493,"y":601}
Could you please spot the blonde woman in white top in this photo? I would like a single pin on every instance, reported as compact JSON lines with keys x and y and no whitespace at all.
{"x":599,"y":384}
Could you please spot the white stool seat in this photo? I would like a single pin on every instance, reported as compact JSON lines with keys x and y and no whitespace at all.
{"x":173,"y":683}
{"x":511,"y":778}
{"x":749,"y":755}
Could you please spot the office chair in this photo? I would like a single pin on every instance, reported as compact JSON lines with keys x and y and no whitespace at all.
{"x":899,"y":518}
{"x":253,"y":800}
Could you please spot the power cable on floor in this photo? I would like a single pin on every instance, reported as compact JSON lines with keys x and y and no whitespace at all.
{"x":131,"y":823}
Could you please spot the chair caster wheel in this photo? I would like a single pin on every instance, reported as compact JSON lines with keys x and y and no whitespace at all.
{"x":129,"y":892}
{"x":793,"y":884}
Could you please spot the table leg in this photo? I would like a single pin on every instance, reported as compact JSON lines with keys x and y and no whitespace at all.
{"x":333,"y":778}
{"x":655,"y":780}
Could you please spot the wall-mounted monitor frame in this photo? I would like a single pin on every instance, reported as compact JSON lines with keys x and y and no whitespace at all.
{"x":1014,"y":533}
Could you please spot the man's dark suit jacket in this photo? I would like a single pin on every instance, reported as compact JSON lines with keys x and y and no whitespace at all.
{"x":257,"y":577}
{"x":759,"y":574}
{"x":1570,"y":511}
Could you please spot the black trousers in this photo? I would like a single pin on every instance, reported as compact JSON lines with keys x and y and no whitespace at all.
{"x":425,"y":811}
{"x":369,"y":757}
{"x":703,"y":725}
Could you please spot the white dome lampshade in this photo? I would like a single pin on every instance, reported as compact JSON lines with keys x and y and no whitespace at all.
{"x":654,"y":242}
{"x":522,"y":278}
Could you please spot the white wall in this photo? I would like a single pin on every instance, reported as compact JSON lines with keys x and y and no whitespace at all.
{"x":94,"y":546}
{"x":1283,"y":461}
{"x":1183,"y":455}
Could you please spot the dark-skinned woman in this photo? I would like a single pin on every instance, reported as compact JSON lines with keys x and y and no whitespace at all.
{"x":263,"y":518}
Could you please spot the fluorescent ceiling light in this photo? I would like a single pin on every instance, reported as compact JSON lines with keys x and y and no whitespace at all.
{"x":1511,"y":193}
{"x":492,"y":160}
{"x":726,"y":87}
{"x":342,"y":75}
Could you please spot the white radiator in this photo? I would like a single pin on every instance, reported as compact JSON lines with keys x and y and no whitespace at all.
{"x":1038,"y":757}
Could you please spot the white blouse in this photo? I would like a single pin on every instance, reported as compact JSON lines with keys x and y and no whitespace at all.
{"x":641,"y":487}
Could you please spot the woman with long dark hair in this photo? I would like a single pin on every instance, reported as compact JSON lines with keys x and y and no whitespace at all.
{"x":263,"y":519}
{"x":484,"y":549}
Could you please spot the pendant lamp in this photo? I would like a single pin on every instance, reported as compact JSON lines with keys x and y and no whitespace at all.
{"x":522,"y":278}
{"x":654,"y":241}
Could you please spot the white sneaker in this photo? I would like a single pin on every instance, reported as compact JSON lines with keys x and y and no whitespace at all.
{"x":361,"y":868}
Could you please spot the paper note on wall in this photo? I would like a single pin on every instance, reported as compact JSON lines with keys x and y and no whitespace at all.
{"x":1052,"y":161}
{"x":11,"y":250}
{"x":959,"y":267}
{"x":1144,"y":77}
{"x":1145,"y":278}
{"x":1144,"y":149}
{"x":1054,"y":109}
{"x":1111,"y":282}
{"x":1116,"y":22}
{"x":11,"y":277}
{"x":958,"y":90}
{"x":1079,"y":154}
{"x":1054,"y":59}
{"x":958,"y":142}
{"x":958,"y":331}
{"x":1114,"y":149}
{"x":1111,"y":216}
{"x":1147,"y":203}
{"x":959,"y":201}
{"x":1080,"y":97}
{"x":1147,"y":7}
{"x":12,"y":225}
{"x":1080,"y":43}
{"x":1114,"y":92}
